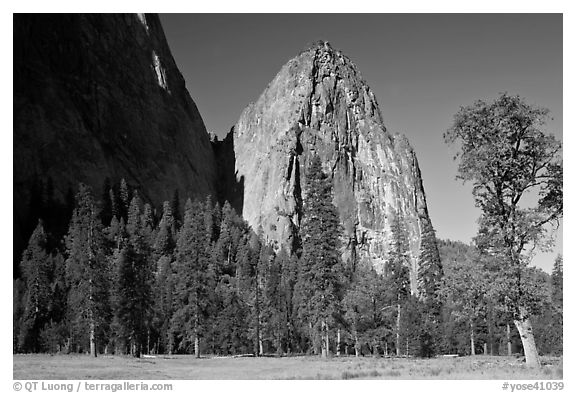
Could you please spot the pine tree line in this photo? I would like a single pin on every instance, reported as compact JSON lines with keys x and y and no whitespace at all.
{"x":127,"y":280}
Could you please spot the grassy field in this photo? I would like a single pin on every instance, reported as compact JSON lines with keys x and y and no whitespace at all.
{"x":187,"y":367}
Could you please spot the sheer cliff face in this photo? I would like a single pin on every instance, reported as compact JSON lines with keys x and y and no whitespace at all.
{"x":319,"y":104}
{"x":99,"y":96}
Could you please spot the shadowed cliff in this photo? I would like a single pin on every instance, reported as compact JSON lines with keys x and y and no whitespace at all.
{"x":99,"y":96}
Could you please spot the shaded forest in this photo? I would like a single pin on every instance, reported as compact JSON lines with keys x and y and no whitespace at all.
{"x":121,"y":277}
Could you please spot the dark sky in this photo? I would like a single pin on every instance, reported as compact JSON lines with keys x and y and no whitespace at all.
{"x":421,"y":68}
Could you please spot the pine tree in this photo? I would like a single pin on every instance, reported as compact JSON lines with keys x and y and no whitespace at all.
{"x":288,"y":281}
{"x":164,"y":245}
{"x":114,"y":203}
{"x":429,"y":266}
{"x":134,"y":283}
{"x":147,"y":225}
{"x":230,"y":265}
{"x":55,"y":334}
{"x":248,"y":278}
{"x":397,"y":272}
{"x":228,"y":240}
{"x":125,"y":198}
{"x":430,"y":276}
{"x":321,"y":276}
{"x":211,"y":219}
{"x":548,"y":327}
{"x":18,"y":307}
{"x":557,"y":283}
{"x":259,"y":276}
{"x":87,"y":271}
{"x":231,"y":321}
{"x":166,"y":235}
{"x":113,"y":232}
{"x":36,"y":268}
{"x":192,"y":291}
{"x":274,"y":303}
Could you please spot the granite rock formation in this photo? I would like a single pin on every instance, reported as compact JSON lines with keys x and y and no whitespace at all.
{"x":99,"y":96}
{"x":319,"y":104}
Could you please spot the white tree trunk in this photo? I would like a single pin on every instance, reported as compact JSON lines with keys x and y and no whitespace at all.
{"x":524,"y":327}
{"x":197,"y":346}
{"x":325,"y":340}
{"x":356,"y":344}
{"x":398,"y":332}
{"x":93,"y":339}
{"x":260,"y":347}
{"x":338,"y":343}
{"x":472,"y":350}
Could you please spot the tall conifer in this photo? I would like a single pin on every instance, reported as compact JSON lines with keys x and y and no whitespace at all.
{"x":36,"y":268}
{"x":430,"y":275}
{"x":557,"y":282}
{"x":397,"y":272}
{"x":321,"y":276}
{"x":87,"y":271}
{"x":192,"y":291}
{"x":134,"y":283}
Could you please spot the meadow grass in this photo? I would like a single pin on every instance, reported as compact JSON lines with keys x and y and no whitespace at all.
{"x":30,"y":367}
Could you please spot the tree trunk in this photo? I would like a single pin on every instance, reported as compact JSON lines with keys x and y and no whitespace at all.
{"x":490,"y":332}
{"x":197,"y":347}
{"x":407,"y":348}
{"x":356,"y":344}
{"x":68,"y":346}
{"x":314,"y":338}
{"x":524,"y":327}
{"x":93,"y":339}
{"x":508,"y":340}
{"x":196,"y":329}
{"x":398,"y":332}
{"x":472,"y":350}
{"x":289,"y":343}
{"x":258,"y":343}
{"x":260,"y":347}
{"x":485,"y":348}
{"x":278,"y":343}
{"x":338,"y":343}
{"x":325,"y":340}
{"x":148,"y":342}
{"x":90,"y":287}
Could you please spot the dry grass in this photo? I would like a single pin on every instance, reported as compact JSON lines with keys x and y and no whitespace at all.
{"x":187,"y":367}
